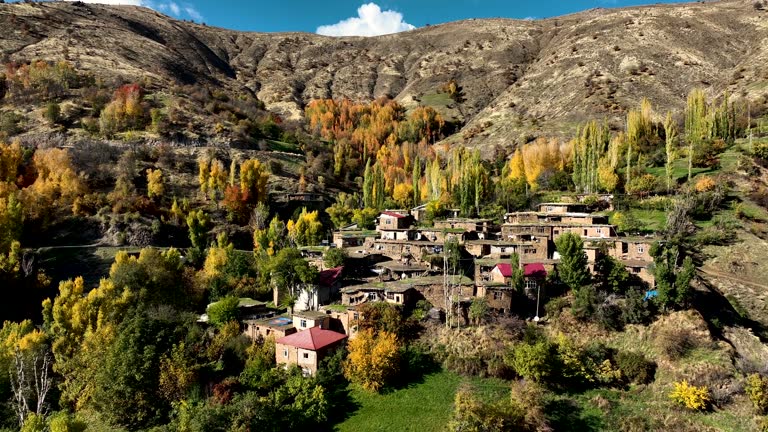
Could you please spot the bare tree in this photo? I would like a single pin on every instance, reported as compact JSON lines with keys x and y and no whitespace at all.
{"x":30,"y":382}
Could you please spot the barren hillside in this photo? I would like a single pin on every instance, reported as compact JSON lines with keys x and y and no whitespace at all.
{"x":519,"y":78}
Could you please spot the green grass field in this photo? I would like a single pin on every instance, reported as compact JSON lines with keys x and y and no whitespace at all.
{"x":283,"y":147}
{"x":421,"y":407}
{"x":679,"y":171}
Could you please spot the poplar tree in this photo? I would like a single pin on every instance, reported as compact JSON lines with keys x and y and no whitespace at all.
{"x":670,"y":133}
{"x":367,"y":185}
{"x":416,"y":179}
{"x":696,"y":124}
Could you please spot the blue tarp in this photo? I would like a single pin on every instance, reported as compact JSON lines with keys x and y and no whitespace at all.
{"x":650,"y":294}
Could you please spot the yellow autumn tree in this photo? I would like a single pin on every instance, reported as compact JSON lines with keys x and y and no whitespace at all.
{"x":57,"y":183}
{"x":216,"y":258}
{"x":253,"y":180}
{"x":403,"y":194}
{"x":373,"y":359}
{"x":532,"y":160}
{"x":217,"y":178}
{"x":155,"y":184}
{"x":203,"y":171}
{"x":516,"y":165}
{"x":10,"y":157}
{"x":306,"y":230}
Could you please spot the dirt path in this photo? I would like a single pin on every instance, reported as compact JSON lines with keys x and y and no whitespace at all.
{"x":714,"y":273}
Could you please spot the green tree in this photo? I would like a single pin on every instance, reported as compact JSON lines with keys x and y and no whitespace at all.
{"x":478,"y":310}
{"x":223,"y":311}
{"x":126,"y":382}
{"x":197,"y":222}
{"x":365,"y":218}
{"x":335,"y":257}
{"x":52,"y":113}
{"x":290,"y":273}
{"x":610,"y":274}
{"x":697,"y":127}
{"x":518,"y":274}
{"x":572,"y":269}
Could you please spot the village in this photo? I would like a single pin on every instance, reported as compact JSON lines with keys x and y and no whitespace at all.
{"x":444,"y":265}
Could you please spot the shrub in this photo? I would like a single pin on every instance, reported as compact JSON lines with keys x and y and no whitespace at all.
{"x":223,"y":311}
{"x":555,"y":306}
{"x":691,"y":397}
{"x":757,"y":390}
{"x":705,"y":184}
{"x":675,"y":344}
{"x":52,"y":113}
{"x":535,"y":361}
{"x":635,"y":367}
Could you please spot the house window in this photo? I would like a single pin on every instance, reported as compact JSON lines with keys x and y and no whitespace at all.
{"x":497,"y":295}
{"x":303,"y":323}
{"x":285,"y":353}
{"x":585,"y":233}
{"x":387,"y":221}
{"x":640,"y":249}
{"x":305,"y":355}
{"x":531,"y":284}
{"x":624,"y":248}
{"x":356,"y":316}
{"x":599,"y":230}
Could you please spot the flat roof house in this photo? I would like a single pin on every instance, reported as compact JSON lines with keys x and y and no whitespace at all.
{"x":307,"y":348}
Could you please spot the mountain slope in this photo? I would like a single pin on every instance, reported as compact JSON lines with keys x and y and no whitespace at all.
{"x":519,"y":78}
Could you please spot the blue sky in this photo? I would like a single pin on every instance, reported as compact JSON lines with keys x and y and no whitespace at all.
{"x":345,"y":17}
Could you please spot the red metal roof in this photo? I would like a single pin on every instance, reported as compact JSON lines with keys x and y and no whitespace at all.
{"x":330,"y":276}
{"x":531,"y":270}
{"x":392,"y":214}
{"x":505,"y":269}
{"x":312,"y":339}
{"x":535,"y":270}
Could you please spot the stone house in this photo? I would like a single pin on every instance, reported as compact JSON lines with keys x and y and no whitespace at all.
{"x":327,"y":287}
{"x":274,"y":327}
{"x":343,"y":319}
{"x":394,"y":220}
{"x":308,"y":319}
{"x":307,"y":348}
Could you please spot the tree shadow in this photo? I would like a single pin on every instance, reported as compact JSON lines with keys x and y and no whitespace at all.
{"x":566,"y":415}
{"x":718,"y":312}
{"x":341,"y":406}
{"x":415,"y":366}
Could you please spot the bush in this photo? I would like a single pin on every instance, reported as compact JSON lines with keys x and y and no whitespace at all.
{"x":757,"y":390}
{"x":52,"y":113}
{"x":691,"y":397}
{"x":675,"y":344}
{"x":537,"y":361}
{"x":635,"y":367}
{"x":223,"y":311}
{"x":555,"y":307}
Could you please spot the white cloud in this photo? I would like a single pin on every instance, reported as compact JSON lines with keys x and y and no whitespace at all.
{"x":183,"y":11}
{"x":192,"y":12}
{"x":174,"y":8}
{"x":370,"y":21}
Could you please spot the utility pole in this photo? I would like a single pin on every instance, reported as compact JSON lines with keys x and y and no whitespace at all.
{"x":749,"y":125}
